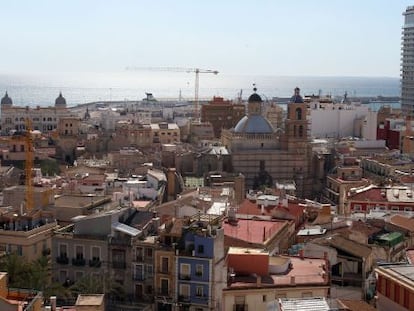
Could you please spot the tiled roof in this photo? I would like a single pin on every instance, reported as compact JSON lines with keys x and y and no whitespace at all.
{"x":307,"y":271}
{"x":346,"y":245}
{"x":253,"y":231}
{"x":373,"y":194}
{"x":403,"y":222}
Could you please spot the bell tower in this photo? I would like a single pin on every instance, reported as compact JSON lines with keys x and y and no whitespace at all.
{"x":297,"y":127}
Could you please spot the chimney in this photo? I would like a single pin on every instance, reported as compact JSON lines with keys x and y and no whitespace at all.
{"x":53,"y":302}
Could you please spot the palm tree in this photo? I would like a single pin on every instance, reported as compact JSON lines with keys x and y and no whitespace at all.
{"x":101,"y":284}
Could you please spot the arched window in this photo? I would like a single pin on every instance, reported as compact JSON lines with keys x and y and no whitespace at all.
{"x":298,"y":113}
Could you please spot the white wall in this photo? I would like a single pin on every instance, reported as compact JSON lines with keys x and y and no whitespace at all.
{"x":335,"y":123}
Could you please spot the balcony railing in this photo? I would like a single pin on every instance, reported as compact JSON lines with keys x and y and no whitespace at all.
{"x":183,"y":298}
{"x":63,"y":260}
{"x":164,"y":292}
{"x":95,"y":263}
{"x":186,"y":277}
{"x":138,"y":277}
{"x":78,"y":261}
{"x":238,"y":307}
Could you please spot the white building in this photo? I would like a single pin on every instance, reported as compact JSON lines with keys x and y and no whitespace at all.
{"x":407,"y":62}
{"x":330,"y":119}
{"x":44,"y":119}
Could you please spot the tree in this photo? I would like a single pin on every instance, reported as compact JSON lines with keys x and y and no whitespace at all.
{"x":101,"y":284}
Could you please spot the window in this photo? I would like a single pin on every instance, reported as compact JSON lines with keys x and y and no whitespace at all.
{"x":200,"y":249}
{"x":164,"y":264}
{"x":149,"y":252}
{"x":96,"y":253}
{"x":199,"y":291}
{"x":298,"y":114}
{"x":264,"y":298}
{"x":164,"y":287}
{"x":139,"y":272}
{"x":185,"y":271}
{"x":185,"y":290}
{"x":150,"y":270}
{"x":139,"y":254}
{"x":63,"y":252}
{"x":357,"y":207}
{"x":199,"y":270}
{"x":79,"y":251}
{"x":19,"y":250}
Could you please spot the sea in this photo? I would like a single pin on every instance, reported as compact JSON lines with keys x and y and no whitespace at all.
{"x":41,"y":89}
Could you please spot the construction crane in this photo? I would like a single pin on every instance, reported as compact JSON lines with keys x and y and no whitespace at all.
{"x":197,"y":72}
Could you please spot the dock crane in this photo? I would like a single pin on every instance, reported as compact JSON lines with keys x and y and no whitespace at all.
{"x":197,"y":72}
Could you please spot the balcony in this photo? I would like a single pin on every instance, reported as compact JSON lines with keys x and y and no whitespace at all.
{"x":238,"y":307}
{"x":185,"y":277}
{"x":62,"y":259}
{"x":184,"y":298}
{"x":119,"y":264}
{"x":79,"y":261}
{"x":95,"y":263}
{"x":138,"y":277}
{"x":164,"y":292}
{"x":163,"y":271}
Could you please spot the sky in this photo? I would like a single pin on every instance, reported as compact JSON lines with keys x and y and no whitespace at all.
{"x":278,"y":37}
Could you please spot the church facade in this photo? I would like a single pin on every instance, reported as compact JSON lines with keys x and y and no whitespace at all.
{"x":265,"y":155}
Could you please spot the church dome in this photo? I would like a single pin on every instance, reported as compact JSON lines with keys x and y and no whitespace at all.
{"x":60,"y":101}
{"x":6,"y":100}
{"x":253,"y":124}
{"x":254,"y":98}
{"x":296,"y":98}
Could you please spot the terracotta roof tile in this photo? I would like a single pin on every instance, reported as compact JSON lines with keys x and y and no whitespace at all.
{"x":403,"y":222}
{"x":253,"y":231}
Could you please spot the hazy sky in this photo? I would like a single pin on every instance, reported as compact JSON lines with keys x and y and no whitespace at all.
{"x":278,"y":37}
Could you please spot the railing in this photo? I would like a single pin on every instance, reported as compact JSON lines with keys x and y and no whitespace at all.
{"x":238,"y":307}
{"x":63,"y":260}
{"x":138,"y":277}
{"x":165,"y":292}
{"x":183,"y":298}
{"x":163,"y":271}
{"x":95,"y":263}
{"x":185,"y":277}
{"x":78,"y":261}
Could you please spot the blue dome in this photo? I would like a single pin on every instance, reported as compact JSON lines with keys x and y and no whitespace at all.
{"x":254,"y":124}
{"x":60,"y":101}
{"x":6,"y":100}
